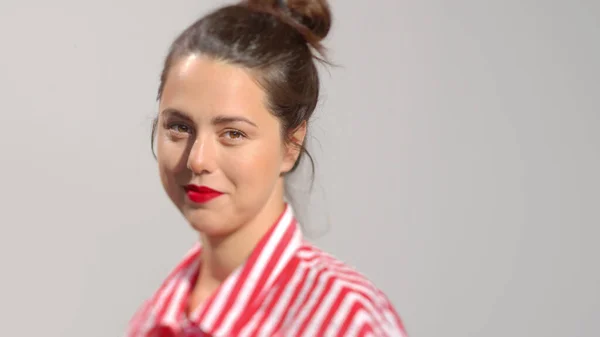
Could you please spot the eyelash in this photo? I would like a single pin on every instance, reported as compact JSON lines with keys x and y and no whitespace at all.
{"x":233,"y":131}
{"x":173,"y":126}
{"x":176,"y":127}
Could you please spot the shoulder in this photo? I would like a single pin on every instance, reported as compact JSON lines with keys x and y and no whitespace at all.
{"x":340,"y":301}
{"x":137,"y":321}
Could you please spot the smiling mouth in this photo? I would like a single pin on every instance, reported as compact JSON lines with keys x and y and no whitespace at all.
{"x":201,"y":194}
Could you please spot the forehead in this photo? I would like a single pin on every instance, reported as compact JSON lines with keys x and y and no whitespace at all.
{"x":201,"y":85}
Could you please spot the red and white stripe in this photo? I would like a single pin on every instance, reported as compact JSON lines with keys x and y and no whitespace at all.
{"x":287,"y":287}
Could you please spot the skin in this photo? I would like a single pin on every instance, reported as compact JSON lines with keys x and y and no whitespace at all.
{"x":215,"y":130}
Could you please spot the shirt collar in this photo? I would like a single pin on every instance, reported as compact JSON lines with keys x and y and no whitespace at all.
{"x":238,"y":297}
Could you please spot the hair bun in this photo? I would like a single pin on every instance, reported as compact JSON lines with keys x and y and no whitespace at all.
{"x":312,"y":18}
{"x":314,"y":14}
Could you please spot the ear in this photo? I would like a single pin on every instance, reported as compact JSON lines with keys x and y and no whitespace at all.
{"x":293,"y":147}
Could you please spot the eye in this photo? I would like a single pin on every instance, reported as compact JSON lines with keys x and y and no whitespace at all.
{"x":234,"y":135}
{"x":179,"y":128}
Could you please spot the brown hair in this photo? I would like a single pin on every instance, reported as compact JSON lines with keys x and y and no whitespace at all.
{"x":278,"y":41}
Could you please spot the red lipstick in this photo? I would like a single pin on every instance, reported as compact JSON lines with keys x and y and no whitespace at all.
{"x":201,"y":194}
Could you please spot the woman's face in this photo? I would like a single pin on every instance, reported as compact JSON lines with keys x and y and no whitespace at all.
{"x":215,"y":131}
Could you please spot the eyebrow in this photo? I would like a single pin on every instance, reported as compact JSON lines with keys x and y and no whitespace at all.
{"x":232,"y":119}
{"x":176,"y":113}
{"x":222,"y":119}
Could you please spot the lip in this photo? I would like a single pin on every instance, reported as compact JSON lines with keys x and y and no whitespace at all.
{"x":200,"y":194}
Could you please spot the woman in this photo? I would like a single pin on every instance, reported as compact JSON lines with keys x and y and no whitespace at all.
{"x":236,"y":94}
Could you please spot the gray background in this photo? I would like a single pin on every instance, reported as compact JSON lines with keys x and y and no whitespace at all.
{"x":457,"y":148}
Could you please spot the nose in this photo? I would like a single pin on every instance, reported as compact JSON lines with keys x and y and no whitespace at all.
{"x":202,"y":156}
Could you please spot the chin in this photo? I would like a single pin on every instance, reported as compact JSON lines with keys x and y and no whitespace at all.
{"x":208,"y":222}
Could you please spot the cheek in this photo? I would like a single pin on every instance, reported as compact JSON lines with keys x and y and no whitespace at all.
{"x":256,"y":164}
{"x":171,"y":157}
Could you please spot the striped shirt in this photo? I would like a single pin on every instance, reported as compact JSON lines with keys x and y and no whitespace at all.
{"x":286,"y":287}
